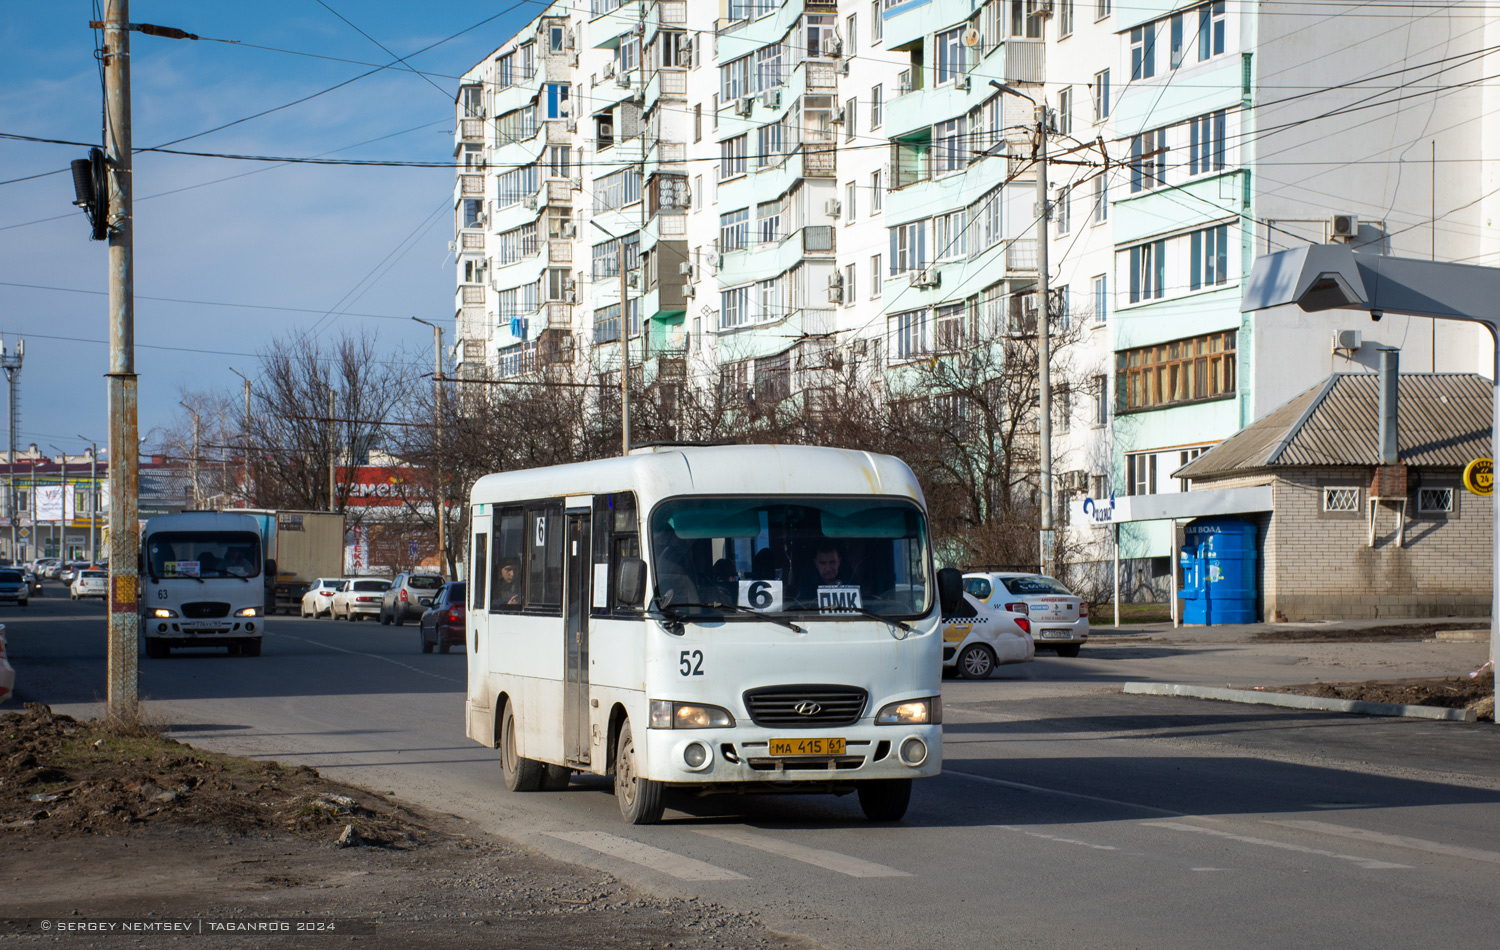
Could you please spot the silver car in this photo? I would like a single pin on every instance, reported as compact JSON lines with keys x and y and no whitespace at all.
{"x":1059,"y":618}
{"x":13,"y":586}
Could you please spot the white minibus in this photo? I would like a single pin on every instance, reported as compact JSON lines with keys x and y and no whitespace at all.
{"x":708,"y":619}
{"x":203,"y":583}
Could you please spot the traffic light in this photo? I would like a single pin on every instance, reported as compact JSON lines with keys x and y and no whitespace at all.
{"x":91,"y":192}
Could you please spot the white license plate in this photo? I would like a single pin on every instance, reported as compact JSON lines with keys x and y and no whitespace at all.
{"x":1055,"y":634}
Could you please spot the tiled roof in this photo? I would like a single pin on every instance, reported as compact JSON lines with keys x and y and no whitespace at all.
{"x":1442,"y":421}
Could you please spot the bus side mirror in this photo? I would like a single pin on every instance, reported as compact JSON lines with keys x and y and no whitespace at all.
{"x":950,"y":585}
{"x":630,"y":582}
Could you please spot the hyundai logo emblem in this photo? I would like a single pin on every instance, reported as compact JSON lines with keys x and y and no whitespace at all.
{"x":808,"y":708}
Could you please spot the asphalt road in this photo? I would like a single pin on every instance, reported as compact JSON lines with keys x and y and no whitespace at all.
{"x":1068,"y":815}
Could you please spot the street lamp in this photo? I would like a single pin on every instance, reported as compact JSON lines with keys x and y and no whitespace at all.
{"x":93,"y":496}
{"x":1044,"y":327}
{"x":193,"y":464}
{"x":62,"y":497}
{"x":440,"y":499}
{"x":245,"y":433}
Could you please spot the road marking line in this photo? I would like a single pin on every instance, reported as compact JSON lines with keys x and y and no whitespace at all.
{"x":373,"y":656}
{"x":1058,"y":838}
{"x":1021,"y":786}
{"x":817,"y":857}
{"x":682,"y":868}
{"x":1399,"y":841}
{"x":1368,"y":863}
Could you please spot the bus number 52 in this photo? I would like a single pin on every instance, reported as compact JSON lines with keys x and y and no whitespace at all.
{"x":690,"y":662}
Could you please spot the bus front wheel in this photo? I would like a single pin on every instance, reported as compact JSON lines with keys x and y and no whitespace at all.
{"x":640,"y":799}
{"x":521,"y":774}
{"x":885,"y":799}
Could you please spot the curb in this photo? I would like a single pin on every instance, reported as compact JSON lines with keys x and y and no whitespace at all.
{"x":1295,"y":701}
{"x":1462,"y":636}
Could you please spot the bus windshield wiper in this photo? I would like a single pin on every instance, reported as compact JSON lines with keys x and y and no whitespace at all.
{"x":873,"y":616}
{"x":737,"y":609}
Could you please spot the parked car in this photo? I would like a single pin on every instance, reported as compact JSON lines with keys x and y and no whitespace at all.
{"x":443,"y":623}
{"x":358,"y":598}
{"x":980,"y":636}
{"x":319,"y":597}
{"x":49,"y":566}
{"x":13,"y":586}
{"x":411,"y":593}
{"x":1059,"y":618}
{"x":70,"y":570}
{"x":90,"y":582}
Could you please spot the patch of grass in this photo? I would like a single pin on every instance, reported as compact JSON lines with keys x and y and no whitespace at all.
{"x":1104,"y":614}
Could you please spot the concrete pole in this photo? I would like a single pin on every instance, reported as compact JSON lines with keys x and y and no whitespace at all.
{"x":442,"y":475}
{"x":625,"y":337}
{"x":93,"y":499}
{"x":1044,"y":343}
{"x":245,"y":436}
{"x":193,"y":462}
{"x":124,"y":446}
{"x":62,"y":514}
{"x":333,"y":451}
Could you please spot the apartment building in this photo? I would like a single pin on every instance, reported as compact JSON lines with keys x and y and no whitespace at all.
{"x":789,"y":186}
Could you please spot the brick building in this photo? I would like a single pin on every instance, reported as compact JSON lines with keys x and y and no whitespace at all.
{"x":1342,"y":543}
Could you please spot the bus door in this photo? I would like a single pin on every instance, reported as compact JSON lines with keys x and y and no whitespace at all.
{"x":478,"y":610}
{"x":577,"y":559}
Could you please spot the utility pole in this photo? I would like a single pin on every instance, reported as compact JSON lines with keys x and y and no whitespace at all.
{"x":11,"y":363}
{"x":245,"y":435}
{"x":333,"y":451}
{"x":1043,"y":331}
{"x":440,"y":499}
{"x":93,"y":497}
{"x":124,"y":458}
{"x":193,"y":462}
{"x":62,"y":511}
{"x":625,"y":336}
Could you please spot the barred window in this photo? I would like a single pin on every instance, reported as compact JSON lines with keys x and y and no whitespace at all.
{"x":1341,"y":499}
{"x":1174,"y":373}
{"x":1433,"y":500}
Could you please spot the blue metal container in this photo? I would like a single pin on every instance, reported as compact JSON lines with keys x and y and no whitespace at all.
{"x":1220,"y":580}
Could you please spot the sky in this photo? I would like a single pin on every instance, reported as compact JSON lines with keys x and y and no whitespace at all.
{"x":231,"y":256}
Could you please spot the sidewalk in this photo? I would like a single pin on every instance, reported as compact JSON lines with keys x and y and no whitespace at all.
{"x":1101,"y":629}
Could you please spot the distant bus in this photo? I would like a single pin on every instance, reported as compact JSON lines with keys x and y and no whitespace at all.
{"x":202,"y":583}
{"x":714,"y":619}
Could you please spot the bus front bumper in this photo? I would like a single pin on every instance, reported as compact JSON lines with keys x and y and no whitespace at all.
{"x":741,"y":758}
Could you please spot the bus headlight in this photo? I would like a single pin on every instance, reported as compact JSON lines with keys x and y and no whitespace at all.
{"x":162,"y":613}
{"x":911,"y":712}
{"x":666,"y":714}
{"x":247,"y":612}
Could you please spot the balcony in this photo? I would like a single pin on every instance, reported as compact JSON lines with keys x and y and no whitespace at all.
{"x":559,"y":251}
{"x":471,"y":130}
{"x":471,"y":186}
{"x":1025,"y":61}
{"x":819,"y":239}
{"x":819,"y":161}
{"x":472,"y":241}
{"x":559,"y":315}
{"x":469,"y":295}
{"x":1020,"y":255}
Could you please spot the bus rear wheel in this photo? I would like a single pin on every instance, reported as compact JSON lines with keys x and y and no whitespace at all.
{"x":885,"y":799}
{"x":521,"y":774}
{"x":640,"y":799}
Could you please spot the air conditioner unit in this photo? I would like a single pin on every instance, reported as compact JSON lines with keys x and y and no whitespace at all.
{"x":836,"y":279}
{"x":844,"y":67}
{"x":570,"y":296}
{"x":961,"y":83}
{"x":452,"y":247}
{"x":609,"y":69}
{"x":838,"y":116}
{"x":481,"y":220}
{"x":688,"y":290}
{"x":929,"y":277}
{"x":833,"y":46}
{"x":530,"y":202}
{"x":1343,"y":227}
{"x":833,"y":207}
{"x":1029,"y":308}
{"x":744,"y":106}
{"x":633,"y":279}
{"x":1349,"y":340}
{"x":567,"y":229}
{"x":835,"y":294}
{"x":623,"y":80}
{"x":640,"y":25}
{"x":569,"y":284}
{"x":686,"y":269}
{"x":771,"y":98}
{"x":1038,"y":7}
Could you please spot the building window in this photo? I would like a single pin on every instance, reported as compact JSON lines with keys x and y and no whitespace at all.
{"x":697,"y":122}
{"x":877,"y":192}
{"x":697,"y":192}
{"x":773,"y":379}
{"x":559,"y":161}
{"x":1065,"y":111}
{"x":1210,"y":257}
{"x":1064,"y":210}
{"x":851,"y":294}
{"x":557,"y":35}
{"x":768,"y":217}
{"x":1341,"y":499}
{"x":1143,"y":51}
{"x":875,"y":276}
{"x":1101,"y":298}
{"x":769,"y":144}
{"x":1148,"y":160}
{"x":951,"y":152}
{"x":1102,"y":8}
{"x":877,"y":105}
{"x":950,"y":49}
{"x":950,"y":327}
{"x":909,"y":334}
{"x":735,"y":311}
{"x":557,"y":100}
{"x":1100,"y":387}
{"x":1064,"y":18}
{"x":1211,"y":24}
{"x":950,"y":235}
{"x":734,"y":230}
{"x":851,"y":111}
{"x":1175,"y":58}
{"x":1434,"y":500}
{"x":1206,"y":144}
{"x":1175,"y":373}
{"x":732,"y":158}
{"x":1140,"y":474}
{"x":1023,"y":22}
{"x":877,"y":24}
{"x":850,"y":204}
{"x":1101,"y":95}
{"x":1184,"y":457}
{"x":909,"y":247}
{"x":851,"y":30}
{"x":1099,"y":206}
{"x":1148,"y":271}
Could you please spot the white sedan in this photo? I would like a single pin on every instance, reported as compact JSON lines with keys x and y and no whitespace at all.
{"x":1059,"y":618}
{"x":359,"y":598}
{"x":980,"y":636}
{"x":89,"y":582}
{"x":319,"y":597}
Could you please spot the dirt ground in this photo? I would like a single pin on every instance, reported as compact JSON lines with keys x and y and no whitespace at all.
{"x":101,"y":822}
{"x":1453,"y":692}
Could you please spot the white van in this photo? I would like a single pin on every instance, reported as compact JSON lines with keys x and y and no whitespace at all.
{"x":202,"y":583}
{"x":713,"y":619}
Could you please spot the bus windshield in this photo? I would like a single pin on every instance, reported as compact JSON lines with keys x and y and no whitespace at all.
{"x":203,"y":554}
{"x":836,"y":558}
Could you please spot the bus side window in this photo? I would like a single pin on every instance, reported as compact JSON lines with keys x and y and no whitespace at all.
{"x":616,"y":536}
{"x":506,"y":585}
{"x":544,"y":549}
{"x":481,"y":548}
